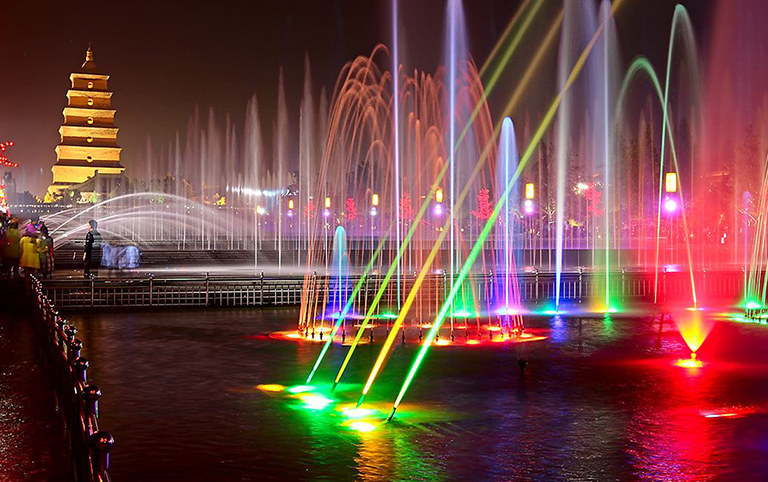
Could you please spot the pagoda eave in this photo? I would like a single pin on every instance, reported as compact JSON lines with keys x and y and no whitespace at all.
{"x":88,"y":75}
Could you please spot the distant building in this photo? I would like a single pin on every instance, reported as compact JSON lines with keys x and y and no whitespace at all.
{"x":88,"y":136}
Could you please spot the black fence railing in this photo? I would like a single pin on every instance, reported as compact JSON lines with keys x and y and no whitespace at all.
{"x":533,"y":288}
{"x":77,"y":398}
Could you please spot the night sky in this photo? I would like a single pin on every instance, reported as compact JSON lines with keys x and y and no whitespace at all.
{"x":166,"y":57}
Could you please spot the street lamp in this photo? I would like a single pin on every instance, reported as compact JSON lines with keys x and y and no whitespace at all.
{"x":438,"y":209}
{"x":374,"y":203}
{"x":530,"y":191}
{"x":670,"y":187}
{"x":670,"y":182}
{"x":327,"y":211}
{"x":530,"y":194}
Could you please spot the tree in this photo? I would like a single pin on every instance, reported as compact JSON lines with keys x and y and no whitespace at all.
{"x":351,"y":209}
{"x":594,"y":197}
{"x":5,"y":162}
{"x":484,"y":205}
{"x":309,"y":210}
{"x":406,"y":208}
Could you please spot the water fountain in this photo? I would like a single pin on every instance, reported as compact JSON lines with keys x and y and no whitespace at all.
{"x":411,"y":213}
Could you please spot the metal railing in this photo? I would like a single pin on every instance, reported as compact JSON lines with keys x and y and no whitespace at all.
{"x":534,"y":287}
{"x":77,"y":398}
{"x":179,"y":292}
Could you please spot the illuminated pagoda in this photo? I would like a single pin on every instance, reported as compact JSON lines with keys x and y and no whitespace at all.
{"x":88,"y":145}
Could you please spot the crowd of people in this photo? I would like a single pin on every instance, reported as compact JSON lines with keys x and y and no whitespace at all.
{"x":26,"y":249}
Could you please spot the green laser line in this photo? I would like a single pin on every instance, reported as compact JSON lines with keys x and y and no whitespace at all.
{"x":348,"y":306}
{"x":546,"y":121}
{"x":385,"y":282}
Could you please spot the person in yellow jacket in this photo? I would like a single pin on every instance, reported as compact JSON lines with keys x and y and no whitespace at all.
{"x":10,"y":249}
{"x":30,"y":254}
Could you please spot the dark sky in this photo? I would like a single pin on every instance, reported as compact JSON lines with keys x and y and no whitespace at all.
{"x":166,"y":57}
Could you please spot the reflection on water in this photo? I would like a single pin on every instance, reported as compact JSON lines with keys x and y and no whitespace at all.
{"x":601,"y":400}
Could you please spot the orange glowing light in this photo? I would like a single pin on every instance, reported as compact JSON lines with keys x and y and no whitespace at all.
{"x":439,"y":196}
{"x":443,"y":342}
{"x":473,"y":342}
{"x":375,"y":199}
{"x":670,"y":182}
{"x":271,"y":387}
{"x":530,"y":191}
{"x":327,"y":203}
{"x":290,"y":204}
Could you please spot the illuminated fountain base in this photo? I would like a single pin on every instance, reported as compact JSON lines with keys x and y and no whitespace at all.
{"x":464,"y":335}
{"x":691,"y":363}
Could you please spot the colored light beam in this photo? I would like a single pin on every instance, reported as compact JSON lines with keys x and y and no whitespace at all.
{"x":503,"y":38}
{"x":511,"y":48}
{"x":680,"y":15}
{"x":527,"y":77}
{"x":538,"y":135}
{"x":403,"y":312}
{"x":387,"y":277}
{"x":348,"y":306}
{"x":524,"y":81}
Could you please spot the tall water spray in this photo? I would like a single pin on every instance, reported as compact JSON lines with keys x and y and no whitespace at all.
{"x":585,"y":109}
{"x":456,"y":59}
{"x":396,"y":135}
{"x":339,"y":273}
{"x":506,"y":166}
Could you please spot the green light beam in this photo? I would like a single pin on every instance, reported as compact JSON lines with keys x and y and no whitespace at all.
{"x":348,"y":306}
{"x":539,"y":134}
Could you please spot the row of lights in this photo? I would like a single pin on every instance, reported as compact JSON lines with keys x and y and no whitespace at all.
{"x":670,"y":203}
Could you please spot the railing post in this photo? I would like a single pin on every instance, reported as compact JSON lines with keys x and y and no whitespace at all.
{"x":207,"y":288}
{"x":93,"y":288}
{"x":92,"y":393}
{"x":536,"y":282}
{"x":581,"y":283}
{"x":623,"y":284}
{"x":261,"y":289}
{"x":101,"y":443}
{"x":69,"y":339}
{"x":74,"y":349}
{"x":151,"y":283}
{"x":80,"y":369}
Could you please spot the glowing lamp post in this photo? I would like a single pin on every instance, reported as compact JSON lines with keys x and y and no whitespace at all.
{"x":375,"y":204}
{"x":291,"y":205}
{"x":670,"y":187}
{"x":670,"y":182}
{"x":530,"y":191}
{"x":530,"y":194}
{"x":327,"y":211}
{"x":438,"y":209}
